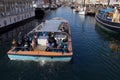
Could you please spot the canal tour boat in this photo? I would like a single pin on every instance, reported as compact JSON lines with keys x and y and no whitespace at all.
{"x":109,"y":20}
{"x":53,"y":43}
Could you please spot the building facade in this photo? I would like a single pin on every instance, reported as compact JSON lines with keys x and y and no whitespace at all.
{"x":11,"y":7}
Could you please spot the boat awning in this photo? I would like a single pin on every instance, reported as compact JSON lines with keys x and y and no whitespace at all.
{"x":104,"y":11}
{"x":50,"y":26}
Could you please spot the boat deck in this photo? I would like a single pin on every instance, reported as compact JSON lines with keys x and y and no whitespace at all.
{"x":40,"y":48}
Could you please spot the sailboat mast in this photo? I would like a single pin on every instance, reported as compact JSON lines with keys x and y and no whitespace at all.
{"x":108,"y":2}
{"x":83,"y":4}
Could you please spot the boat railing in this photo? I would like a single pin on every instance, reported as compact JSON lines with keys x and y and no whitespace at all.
{"x":15,"y":49}
{"x":63,"y":49}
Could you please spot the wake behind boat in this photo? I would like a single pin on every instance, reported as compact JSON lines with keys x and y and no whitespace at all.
{"x":51,"y":41}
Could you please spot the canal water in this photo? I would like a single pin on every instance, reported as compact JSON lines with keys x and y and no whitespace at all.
{"x":96,"y":53}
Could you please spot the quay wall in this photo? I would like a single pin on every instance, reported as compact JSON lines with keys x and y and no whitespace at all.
{"x":13,"y":21}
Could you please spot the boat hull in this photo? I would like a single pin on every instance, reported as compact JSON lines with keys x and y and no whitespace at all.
{"x":39,"y":13}
{"x":53,"y":8}
{"x":108,"y":25}
{"x":90,"y":13}
{"x":82,"y":12}
{"x":39,"y":58}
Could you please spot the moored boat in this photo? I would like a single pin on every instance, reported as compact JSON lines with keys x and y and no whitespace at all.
{"x":72,"y":6}
{"x":106,"y":19}
{"x":53,"y":6}
{"x":53,"y":43}
{"x":82,"y":11}
{"x":90,"y":10}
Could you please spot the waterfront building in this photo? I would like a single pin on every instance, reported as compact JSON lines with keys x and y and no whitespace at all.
{"x":13,"y":11}
{"x":12,"y":7}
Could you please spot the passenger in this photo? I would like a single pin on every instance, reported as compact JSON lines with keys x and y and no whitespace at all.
{"x":60,"y":42}
{"x":63,"y":29}
{"x":59,"y":48}
{"x":33,"y":44}
{"x":20,"y":38}
{"x":65,"y":49}
{"x":15,"y":45}
{"x":49,"y":34}
{"x":20,"y":45}
{"x":52,"y":41}
{"x":65,"y":39}
{"x":51,"y":38}
{"x":36,"y":38}
{"x":31,"y":48}
{"x":26,"y":47}
{"x":48,"y":47}
{"x":25,"y":39}
{"x":55,"y":43}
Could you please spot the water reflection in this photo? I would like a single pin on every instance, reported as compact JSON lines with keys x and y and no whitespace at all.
{"x":113,"y":41}
{"x":115,"y":46}
{"x":7,"y":37}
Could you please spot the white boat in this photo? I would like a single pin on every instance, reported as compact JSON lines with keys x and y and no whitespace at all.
{"x":53,"y":6}
{"x":82,"y":10}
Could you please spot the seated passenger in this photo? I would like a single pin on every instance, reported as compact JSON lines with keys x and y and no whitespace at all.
{"x":48,"y":47}
{"x":35,"y":38}
{"x":20,"y":38}
{"x":65,"y":49}
{"x":33,"y":44}
{"x":65,"y":39}
{"x":26,"y":47}
{"x":59,"y":48}
{"x":60,"y":43}
{"x":51,"y":39}
{"x":15,"y":45}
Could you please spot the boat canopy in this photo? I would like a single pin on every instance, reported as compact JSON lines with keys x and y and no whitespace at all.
{"x":50,"y":25}
{"x":104,"y":11}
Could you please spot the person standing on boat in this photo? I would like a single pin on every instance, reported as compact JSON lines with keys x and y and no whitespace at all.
{"x":52,"y":41}
{"x":48,"y":47}
{"x":26,"y":40}
{"x":50,"y":38}
{"x":20,"y":38}
{"x":35,"y":38}
{"x":34,"y":41}
{"x":33,"y":44}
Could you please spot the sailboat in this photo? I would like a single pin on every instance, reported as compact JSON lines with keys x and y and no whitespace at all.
{"x":82,"y":10}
